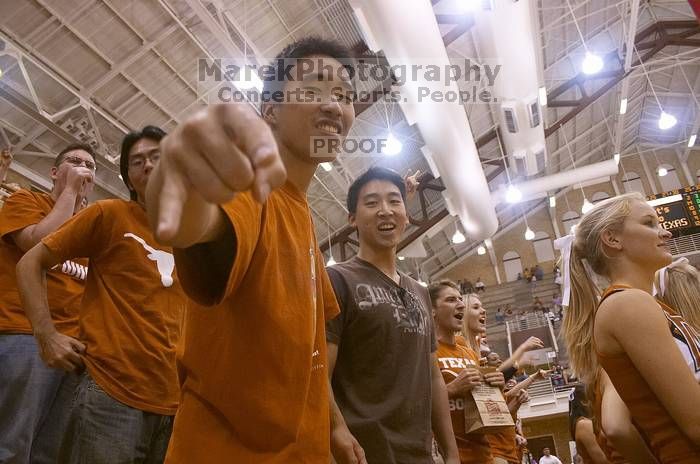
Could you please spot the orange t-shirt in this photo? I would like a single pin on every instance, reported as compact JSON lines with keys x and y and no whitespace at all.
{"x":64,"y":284}
{"x":473,"y":447}
{"x":131,"y":314}
{"x":503,"y":444}
{"x":658,"y":429}
{"x":255,"y":378}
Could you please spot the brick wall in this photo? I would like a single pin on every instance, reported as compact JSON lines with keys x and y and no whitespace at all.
{"x":557,"y":427}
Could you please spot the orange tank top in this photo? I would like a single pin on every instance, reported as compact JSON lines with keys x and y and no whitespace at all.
{"x":658,"y":429}
{"x":613,"y":456}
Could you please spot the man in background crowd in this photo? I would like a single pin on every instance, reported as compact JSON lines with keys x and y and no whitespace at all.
{"x":32,"y":416}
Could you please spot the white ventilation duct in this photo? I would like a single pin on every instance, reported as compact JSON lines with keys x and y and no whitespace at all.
{"x":539,"y":186}
{"x":506,"y":39}
{"x":407,"y":32}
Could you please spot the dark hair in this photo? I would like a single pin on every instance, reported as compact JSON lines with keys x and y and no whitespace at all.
{"x":148,"y":132}
{"x":578,"y":408}
{"x":436,"y":287}
{"x":303,"y":48}
{"x":373,"y":173}
{"x":72,"y":147}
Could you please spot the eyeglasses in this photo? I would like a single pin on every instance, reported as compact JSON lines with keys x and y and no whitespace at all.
{"x":139,"y":161}
{"x":77,"y":162}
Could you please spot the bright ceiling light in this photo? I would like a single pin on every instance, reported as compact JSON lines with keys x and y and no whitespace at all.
{"x":0,"y":72}
{"x":328,"y":167}
{"x":330,"y":261}
{"x":691,"y":140}
{"x":592,"y":63}
{"x":120,"y":177}
{"x":623,"y":106}
{"x":401,"y":258}
{"x":663,"y":172}
{"x":552,"y":201}
{"x":529,"y":234}
{"x":393,"y":145}
{"x":616,"y":157}
{"x":587,"y":206}
{"x":468,"y":5}
{"x":667,"y":121}
{"x":543,"y":96}
{"x":481,"y":250}
{"x":420,"y":282}
{"x":513,"y":194}
{"x":458,"y":237}
{"x":248,"y":80}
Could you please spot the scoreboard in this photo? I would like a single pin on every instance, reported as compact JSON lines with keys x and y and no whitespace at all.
{"x":678,"y":210}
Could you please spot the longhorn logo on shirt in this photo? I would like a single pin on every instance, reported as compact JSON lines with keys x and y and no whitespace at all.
{"x":165,"y":262}
{"x":73,"y":269}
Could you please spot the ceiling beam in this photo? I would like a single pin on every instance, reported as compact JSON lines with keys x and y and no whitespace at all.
{"x":614,"y":76}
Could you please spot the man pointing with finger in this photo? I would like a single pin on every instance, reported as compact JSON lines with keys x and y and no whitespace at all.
{"x":27,"y":387}
{"x":255,"y":386}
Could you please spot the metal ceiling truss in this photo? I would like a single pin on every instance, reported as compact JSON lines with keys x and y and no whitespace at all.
{"x":653,"y":39}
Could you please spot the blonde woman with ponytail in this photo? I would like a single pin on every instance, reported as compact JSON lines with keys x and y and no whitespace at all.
{"x":681,"y":290}
{"x":625,"y":331}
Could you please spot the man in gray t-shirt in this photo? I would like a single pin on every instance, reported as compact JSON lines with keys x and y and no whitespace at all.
{"x":385,"y":381}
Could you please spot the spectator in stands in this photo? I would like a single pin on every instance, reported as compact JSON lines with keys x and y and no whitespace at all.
{"x":537,"y":305}
{"x":493,"y":359}
{"x":548,"y":458}
{"x":538,"y":272}
{"x":557,"y":277}
{"x":499,"y":315}
{"x":680,"y":290}
{"x":479,"y":285}
{"x":556,"y":302}
{"x":5,"y":161}
{"x":458,"y":360}
{"x":526,"y":274}
{"x":520,"y":276}
{"x":467,"y":287}
{"x":508,"y":311}
{"x":625,"y":330}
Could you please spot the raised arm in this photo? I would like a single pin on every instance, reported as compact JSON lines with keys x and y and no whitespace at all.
{"x":67,"y":203}
{"x":532,"y":343}
{"x":219,"y":151}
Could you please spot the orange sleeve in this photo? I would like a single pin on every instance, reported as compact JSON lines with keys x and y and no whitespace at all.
{"x":330,"y":302}
{"x":20,"y":210}
{"x":79,"y":237}
{"x":245,"y":215}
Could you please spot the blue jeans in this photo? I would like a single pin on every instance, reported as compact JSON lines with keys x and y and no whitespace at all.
{"x":102,"y":430}
{"x":35,"y":402}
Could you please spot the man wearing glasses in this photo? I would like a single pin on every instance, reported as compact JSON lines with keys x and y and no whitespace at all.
{"x":28,"y":389}
{"x":127,"y":392}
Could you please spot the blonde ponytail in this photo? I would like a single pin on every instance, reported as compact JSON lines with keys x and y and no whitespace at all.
{"x":577,"y":327}
{"x":682,"y":291}
{"x":587,"y":251}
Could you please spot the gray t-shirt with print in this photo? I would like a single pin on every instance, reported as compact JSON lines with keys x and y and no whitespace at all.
{"x":382,"y":376}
